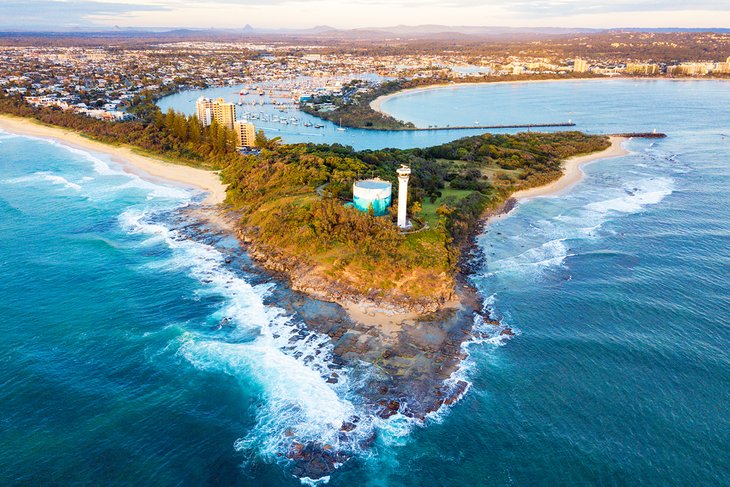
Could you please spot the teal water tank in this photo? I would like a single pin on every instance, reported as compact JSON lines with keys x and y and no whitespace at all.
{"x":375,"y":192}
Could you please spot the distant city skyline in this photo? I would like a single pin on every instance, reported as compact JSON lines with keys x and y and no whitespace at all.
{"x":62,"y":15}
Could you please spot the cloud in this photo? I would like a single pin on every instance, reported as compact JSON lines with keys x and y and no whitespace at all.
{"x":555,"y":8}
{"x":60,"y":14}
{"x":68,"y":14}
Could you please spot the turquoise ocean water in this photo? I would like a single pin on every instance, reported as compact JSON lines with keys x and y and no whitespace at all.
{"x":134,"y":355}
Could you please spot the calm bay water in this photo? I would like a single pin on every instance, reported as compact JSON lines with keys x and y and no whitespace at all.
{"x":118,"y":362}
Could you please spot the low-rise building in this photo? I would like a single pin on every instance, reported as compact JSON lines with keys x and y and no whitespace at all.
{"x":642,"y":69}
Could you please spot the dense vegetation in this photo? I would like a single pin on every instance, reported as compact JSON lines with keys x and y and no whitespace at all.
{"x":452,"y":185}
{"x":355,"y":111}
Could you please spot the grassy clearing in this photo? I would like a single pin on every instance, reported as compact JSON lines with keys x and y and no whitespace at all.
{"x":429,"y":209}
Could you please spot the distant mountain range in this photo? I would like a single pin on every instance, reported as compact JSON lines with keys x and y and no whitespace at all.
{"x":419,"y":30}
{"x":325,"y":31}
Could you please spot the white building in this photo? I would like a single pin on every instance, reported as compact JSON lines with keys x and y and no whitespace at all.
{"x":404,"y":173}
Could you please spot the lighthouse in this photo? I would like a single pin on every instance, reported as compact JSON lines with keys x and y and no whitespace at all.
{"x":403,"y":174}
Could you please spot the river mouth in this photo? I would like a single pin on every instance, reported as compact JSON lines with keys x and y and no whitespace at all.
{"x":595,"y":106}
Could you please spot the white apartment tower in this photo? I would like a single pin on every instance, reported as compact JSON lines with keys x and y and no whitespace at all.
{"x":204,"y":110}
{"x":222,"y":112}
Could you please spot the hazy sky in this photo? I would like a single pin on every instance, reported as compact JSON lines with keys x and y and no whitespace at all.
{"x":68,"y":14}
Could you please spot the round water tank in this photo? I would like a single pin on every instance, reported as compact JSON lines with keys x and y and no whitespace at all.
{"x":375,"y":192}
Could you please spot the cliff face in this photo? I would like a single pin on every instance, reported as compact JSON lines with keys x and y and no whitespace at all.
{"x":312,"y":280}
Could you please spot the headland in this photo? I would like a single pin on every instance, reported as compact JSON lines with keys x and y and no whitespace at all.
{"x":402,"y":303}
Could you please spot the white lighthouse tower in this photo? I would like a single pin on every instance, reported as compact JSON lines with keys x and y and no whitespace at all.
{"x":403,"y":174}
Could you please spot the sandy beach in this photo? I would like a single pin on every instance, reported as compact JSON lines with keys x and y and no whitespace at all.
{"x":572,"y":167}
{"x":132,"y":162}
{"x":573,"y":171}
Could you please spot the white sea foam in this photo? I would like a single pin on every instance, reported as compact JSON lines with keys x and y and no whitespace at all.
{"x":100,"y":167}
{"x":483,"y":333}
{"x":534,"y":260}
{"x":636,"y":196}
{"x":154,"y":190}
{"x":315,"y":482}
{"x":55,"y":179}
{"x":107,"y":168}
{"x":549,"y":241}
{"x":296,"y":397}
{"x":298,"y":403}
{"x":44,"y":176}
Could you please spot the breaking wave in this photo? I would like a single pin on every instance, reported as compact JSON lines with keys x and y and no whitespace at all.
{"x":59,"y":180}
{"x":288,"y":363}
{"x":44,"y":176}
{"x":636,"y":196}
{"x":105,"y":168}
{"x":548,"y":242}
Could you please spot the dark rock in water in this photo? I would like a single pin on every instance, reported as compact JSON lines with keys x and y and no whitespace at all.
{"x":315,"y":460}
{"x":456,"y":393}
{"x":390,"y":408}
{"x":347,"y":426}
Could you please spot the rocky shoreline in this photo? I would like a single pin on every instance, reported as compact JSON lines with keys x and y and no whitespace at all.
{"x":303,"y":277}
{"x":411,"y":366}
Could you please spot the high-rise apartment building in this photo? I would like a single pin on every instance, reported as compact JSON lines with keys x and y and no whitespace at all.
{"x":245,"y":134}
{"x":581,"y":66}
{"x":204,"y":110}
{"x":222,"y":112}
